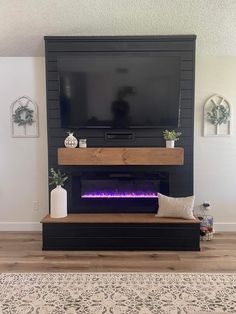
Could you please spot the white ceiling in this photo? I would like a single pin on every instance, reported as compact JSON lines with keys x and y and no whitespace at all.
{"x":23,"y":23}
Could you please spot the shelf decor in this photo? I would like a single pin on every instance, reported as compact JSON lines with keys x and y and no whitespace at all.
{"x":217,"y":116}
{"x":58,"y":196}
{"x":71,"y":141}
{"x":24,"y":117}
{"x":171,"y":137}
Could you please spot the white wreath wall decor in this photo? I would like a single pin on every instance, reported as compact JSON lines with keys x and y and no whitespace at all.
{"x":24,"y":117}
{"x":217,"y":116}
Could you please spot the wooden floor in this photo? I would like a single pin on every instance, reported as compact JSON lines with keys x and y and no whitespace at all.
{"x":21,"y":252}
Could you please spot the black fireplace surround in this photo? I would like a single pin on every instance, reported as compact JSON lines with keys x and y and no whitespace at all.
{"x":126,"y":189}
{"x":112,"y":207}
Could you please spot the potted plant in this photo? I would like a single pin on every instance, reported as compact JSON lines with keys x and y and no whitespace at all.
{"x":58,"y":199}
{"x":171,"y":137}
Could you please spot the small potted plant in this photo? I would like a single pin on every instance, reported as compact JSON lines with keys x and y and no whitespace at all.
{"x":58,"y":200}
{"x":171,"y":137}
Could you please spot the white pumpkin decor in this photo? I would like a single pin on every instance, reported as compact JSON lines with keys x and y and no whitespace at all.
{"x":71,"y":141}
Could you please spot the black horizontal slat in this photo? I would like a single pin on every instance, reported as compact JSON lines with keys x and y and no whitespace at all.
{"x":186,"y":94}
{"x":186,"y":122}
{"x":185,"y":55}
{"x":52,"y":66}
{"x":53,"y":104}
{"x":70,"y":46}
{"x":54,"y":123}
{"x":186,"y":104}
{"x":53,"y":85}
{"x":100,"y":142}
{"x":186,"y":75}
{"x":52,"y":76}
{"x":126,"y":230}
{"x":54,"y":113}
{"x":186,"y":113}
{"x":138,"y":142}
{"x":52,"y":95}
{"x":186,"y":84}
{"x":187,"y":244}
{"x":186,"y":65}
{"x":86,"y":133}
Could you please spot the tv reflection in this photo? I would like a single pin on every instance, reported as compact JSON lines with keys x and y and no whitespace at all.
{"x":120,"y":108}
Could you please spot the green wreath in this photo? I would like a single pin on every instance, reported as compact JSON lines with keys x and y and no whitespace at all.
{"x":218,"y":115}
{"x":23,"y":116}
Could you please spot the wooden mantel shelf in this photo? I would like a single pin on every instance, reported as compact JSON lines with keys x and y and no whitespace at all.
{"x":121,"y":156}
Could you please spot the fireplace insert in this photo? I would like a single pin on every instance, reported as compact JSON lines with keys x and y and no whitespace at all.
{"x":110,"y":192}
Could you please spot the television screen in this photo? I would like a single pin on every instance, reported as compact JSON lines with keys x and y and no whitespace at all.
{"x":119,"y":91}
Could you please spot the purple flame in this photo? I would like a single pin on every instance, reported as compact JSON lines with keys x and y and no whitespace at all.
{"x":120,"y":195}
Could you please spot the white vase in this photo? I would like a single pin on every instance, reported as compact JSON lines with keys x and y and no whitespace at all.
{"x":170,"y":144}
{"x":58,"y":202}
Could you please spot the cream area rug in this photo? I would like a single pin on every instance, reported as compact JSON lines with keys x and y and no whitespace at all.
{"x":117,"y":293}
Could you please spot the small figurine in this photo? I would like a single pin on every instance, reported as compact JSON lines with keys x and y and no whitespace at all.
{"x":83,"y":143}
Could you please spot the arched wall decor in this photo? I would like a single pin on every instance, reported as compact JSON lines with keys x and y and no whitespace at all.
{"x":217,"y":116}
{"x":24,"y":117}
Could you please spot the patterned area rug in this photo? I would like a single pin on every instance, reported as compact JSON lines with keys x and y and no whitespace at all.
{"x":117,"y":293}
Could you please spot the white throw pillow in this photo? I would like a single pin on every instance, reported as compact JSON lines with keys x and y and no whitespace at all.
{"x":180,"y":207}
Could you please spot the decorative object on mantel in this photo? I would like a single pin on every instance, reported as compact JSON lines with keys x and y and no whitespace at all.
{"x":71,"y":141}
{"x":24,"y":117}
{"x":83,"y":143}
{"x":58,"y":195}
{"x":171,"y":137}
{"x":217,"y":116}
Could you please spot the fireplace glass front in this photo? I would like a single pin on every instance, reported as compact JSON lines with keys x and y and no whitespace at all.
{"x":118,"y":192}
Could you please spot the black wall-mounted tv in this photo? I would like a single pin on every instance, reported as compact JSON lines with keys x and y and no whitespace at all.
{"x":140,"y":90}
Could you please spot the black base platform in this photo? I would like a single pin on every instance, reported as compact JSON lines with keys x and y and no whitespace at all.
{"x":120,"y":232}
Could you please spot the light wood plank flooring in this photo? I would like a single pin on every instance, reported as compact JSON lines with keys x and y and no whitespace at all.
{"x":21,"y":252}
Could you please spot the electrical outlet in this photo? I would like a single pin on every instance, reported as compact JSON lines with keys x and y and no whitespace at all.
{"x":35,"y":206}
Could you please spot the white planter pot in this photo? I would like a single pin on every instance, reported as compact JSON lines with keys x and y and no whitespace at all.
{"x":170,"y":144}
{"x":58,"y":202}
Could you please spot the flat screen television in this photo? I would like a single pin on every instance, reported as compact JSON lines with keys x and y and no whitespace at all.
{"x":119,"y":91}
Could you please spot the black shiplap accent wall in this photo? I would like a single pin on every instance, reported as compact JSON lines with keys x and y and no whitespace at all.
{"x":181,"y":177}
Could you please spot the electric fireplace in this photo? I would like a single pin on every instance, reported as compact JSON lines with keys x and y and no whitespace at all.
{"x":118,"y":192}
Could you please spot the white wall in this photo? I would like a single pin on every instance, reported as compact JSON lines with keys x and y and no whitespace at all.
{"x":215,"y":157}
{"x":23,"y":161}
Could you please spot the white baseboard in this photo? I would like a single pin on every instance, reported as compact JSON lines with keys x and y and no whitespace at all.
{"x":225,"y":226}
{"x":20,"y":226}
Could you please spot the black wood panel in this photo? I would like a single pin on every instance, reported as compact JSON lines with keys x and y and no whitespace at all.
{"x":185,"y":56}
{"x":174,"y":236}
{"x":53,"y":85}
{"x":182,"y":46}
{"x":58,"y":132}
{"x":138,"y":43}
